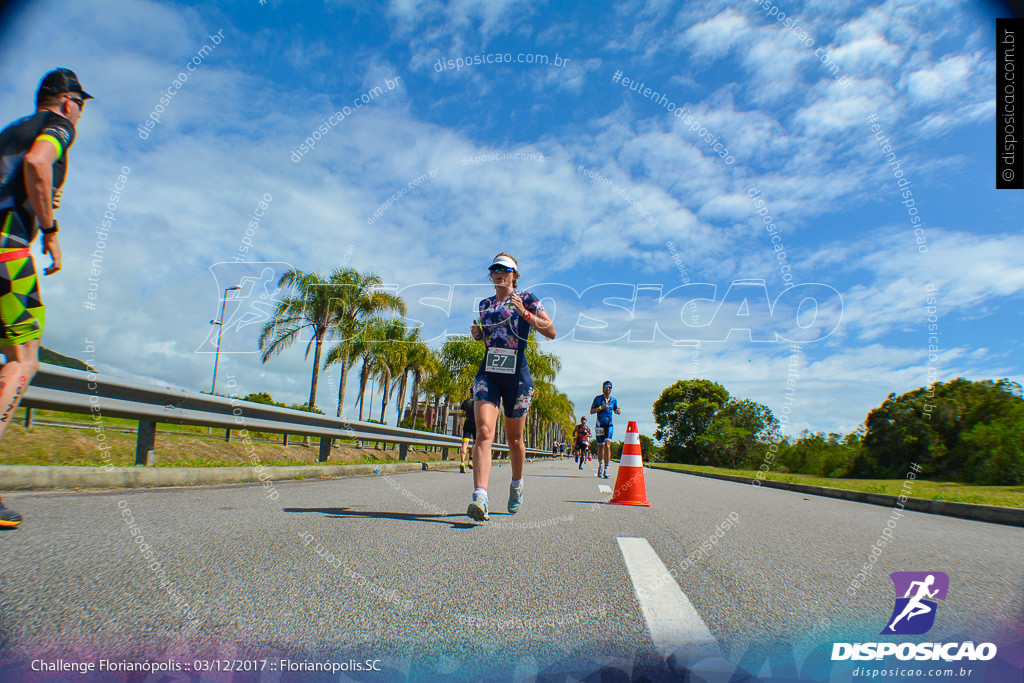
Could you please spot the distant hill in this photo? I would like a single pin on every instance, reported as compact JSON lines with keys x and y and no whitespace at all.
{"x":54,"y":358}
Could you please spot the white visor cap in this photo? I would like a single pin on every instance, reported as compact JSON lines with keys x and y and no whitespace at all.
{"x":504,"y":261}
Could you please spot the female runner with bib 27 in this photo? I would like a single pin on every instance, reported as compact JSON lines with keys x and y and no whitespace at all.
{"x":504,"y":378}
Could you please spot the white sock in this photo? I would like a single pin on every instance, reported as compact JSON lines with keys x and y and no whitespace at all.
{"x":480,"y":494}
{"x":516,"y":483}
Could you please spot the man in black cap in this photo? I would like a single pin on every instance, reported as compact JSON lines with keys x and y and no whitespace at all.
{"x":33,"y":163}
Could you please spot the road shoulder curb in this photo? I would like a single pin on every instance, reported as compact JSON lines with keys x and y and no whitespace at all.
{"x":43,"y":477}
{"x":994,"y":514}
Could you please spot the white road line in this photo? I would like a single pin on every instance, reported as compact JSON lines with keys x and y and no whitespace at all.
{"x":673,"y":622}
{"x":604,"y":488}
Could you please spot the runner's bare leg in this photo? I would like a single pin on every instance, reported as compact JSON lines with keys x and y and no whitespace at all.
{"x":15,"y":376}
{"x":486,"y":417}
{"x":516,"y":445}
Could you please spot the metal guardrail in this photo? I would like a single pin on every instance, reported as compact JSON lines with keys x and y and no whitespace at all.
{"x":76,"y":391}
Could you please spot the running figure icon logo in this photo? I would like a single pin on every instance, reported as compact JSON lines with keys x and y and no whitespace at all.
{"x":250,"y":295}
{"x":914,"y":613}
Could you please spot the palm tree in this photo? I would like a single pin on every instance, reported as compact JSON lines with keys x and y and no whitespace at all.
{"x":438,"y":384}
{"x":416,"y":354}
{"x":391,"y":356}
{"x":422,"y":364}
{"x":546,"y":406}
{"x":565,"y":413}
{"x":543,"y":366}
{"x":457,"y":363}
{"x":310,"y":308}
{"x":383,"y":353}
{"x":550,"y":408}
{"x":364,"y":347}
{"x":357,"y":300}
{"x":461,"y":357}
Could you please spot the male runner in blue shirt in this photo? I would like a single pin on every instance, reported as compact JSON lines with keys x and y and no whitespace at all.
{"x":604,"y":405}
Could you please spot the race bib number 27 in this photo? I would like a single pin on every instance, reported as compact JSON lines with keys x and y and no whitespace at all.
{"x":501,"y":361}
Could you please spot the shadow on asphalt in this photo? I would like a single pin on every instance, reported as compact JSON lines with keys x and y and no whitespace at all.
{"x":569,"y":476}
{"x":346,"y":513}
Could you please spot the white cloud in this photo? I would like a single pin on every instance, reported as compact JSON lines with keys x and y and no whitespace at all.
{"x":866,"y":54}
{"x":965,"y":269}
{"x":716,"y":36}
{"x":461,"y":24}
{"x":946,"y":80}
{"x":729,"y":207}
{"x":776,"y":61}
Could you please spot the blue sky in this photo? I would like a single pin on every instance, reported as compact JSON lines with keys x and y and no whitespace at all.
{"x":602,"y":193}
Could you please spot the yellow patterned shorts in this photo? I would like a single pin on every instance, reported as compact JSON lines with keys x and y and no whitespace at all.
{"x":22,"y":313}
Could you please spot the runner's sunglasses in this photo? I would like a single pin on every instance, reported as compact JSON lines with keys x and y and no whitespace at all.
{"x":500,"y":269}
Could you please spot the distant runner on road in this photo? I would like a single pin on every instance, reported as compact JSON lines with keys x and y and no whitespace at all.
{"x":504,"y":378}
{"x":468,"y":432}
{"x":604,"y":405}
{"x":33,"y":164}
{"x":581,"y":440}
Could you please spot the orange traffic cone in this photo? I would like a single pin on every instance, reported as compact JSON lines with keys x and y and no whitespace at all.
{"x":629,"y":481}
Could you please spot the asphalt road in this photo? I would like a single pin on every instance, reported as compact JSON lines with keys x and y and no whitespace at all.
{"x":390,"y":568}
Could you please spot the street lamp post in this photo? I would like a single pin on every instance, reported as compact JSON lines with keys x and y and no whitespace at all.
{"x":220,"y":328}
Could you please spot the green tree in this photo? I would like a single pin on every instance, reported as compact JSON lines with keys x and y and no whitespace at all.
{"x":928,"y":427}
{"x":650,"y":450}
{"x":548,"y":404}
{"x":563,"y":414}
{"x":550,"y":407}
{"x":997,"y":449}
{"x":460,"y":358}
{"x":380,"y":346}
{"x":824,"y":455}
{"x":683,"y":413}
{"x":437,"y":383}
{"x":392,"y":350}
{"x":306,"y":407}
{"x":309,"y":308}
{"x":416,"y":354}
{"x":356,"y":299}
{"x":737,"y":435}
{"x":451,"y":374}
{"x":264,"y":398}
{"x":422,"y":365}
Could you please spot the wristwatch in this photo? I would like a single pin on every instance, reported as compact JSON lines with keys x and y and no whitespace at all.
{"x":52,"y":229}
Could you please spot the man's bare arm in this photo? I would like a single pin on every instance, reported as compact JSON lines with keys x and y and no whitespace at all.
{"x":39,"y":180}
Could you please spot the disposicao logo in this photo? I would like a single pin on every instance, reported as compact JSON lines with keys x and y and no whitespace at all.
{"x":914,"y":614}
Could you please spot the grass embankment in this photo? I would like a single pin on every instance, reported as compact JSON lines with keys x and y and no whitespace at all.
{"x":176,"y":445}
{"x":1006,"y":496}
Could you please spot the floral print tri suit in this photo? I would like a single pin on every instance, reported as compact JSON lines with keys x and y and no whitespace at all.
{"x":504,"y":328}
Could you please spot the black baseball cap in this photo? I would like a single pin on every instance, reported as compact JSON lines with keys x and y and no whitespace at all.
{"x":60,"y":81}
